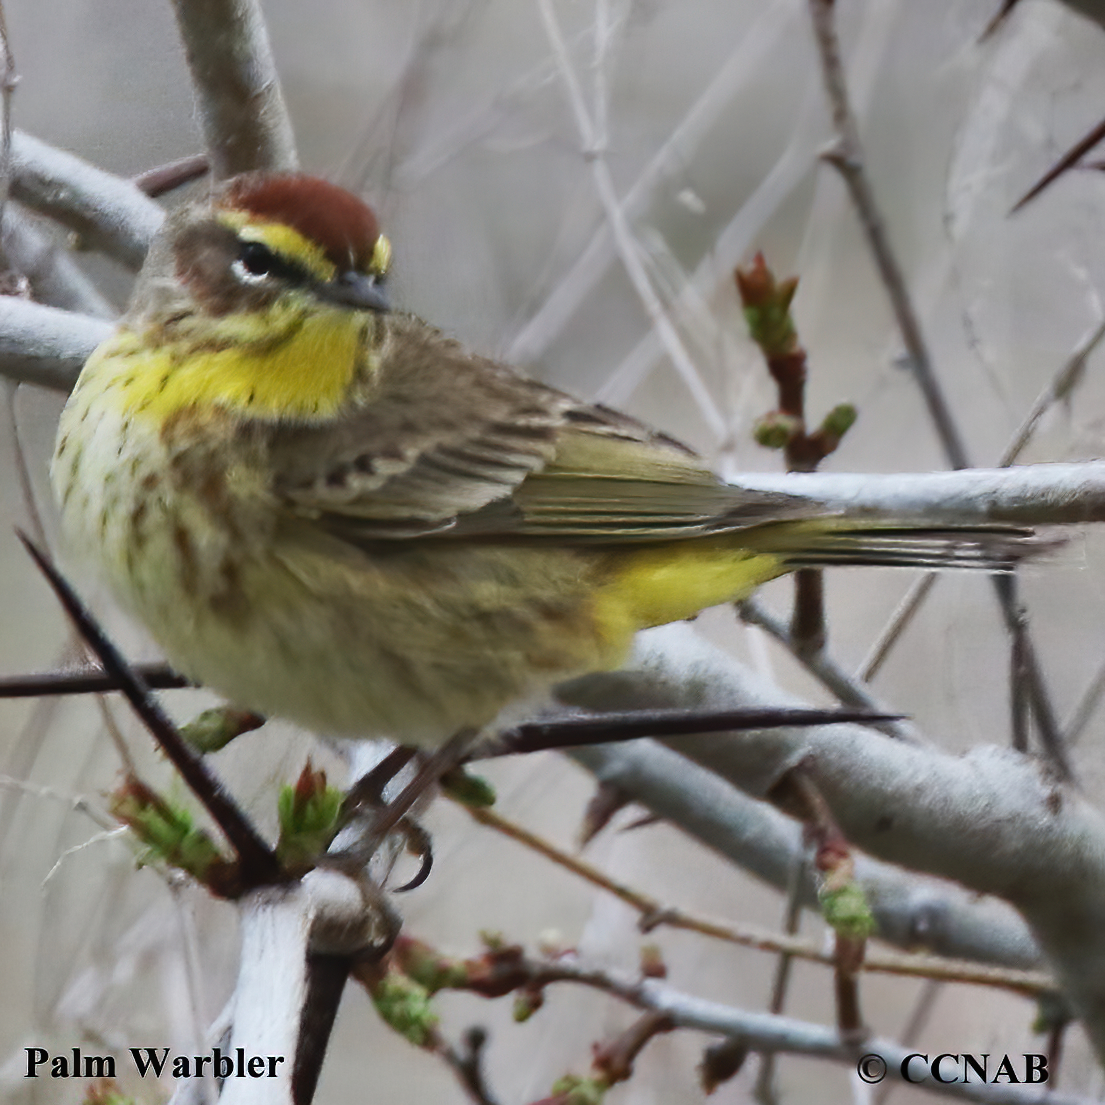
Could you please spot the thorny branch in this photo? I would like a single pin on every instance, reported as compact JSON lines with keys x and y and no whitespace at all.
{"x":258,"y":864}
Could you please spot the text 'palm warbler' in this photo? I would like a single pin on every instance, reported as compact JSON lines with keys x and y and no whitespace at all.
{"x":332,"y":513}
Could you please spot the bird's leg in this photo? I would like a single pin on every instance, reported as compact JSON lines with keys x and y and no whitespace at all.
{"x":368,"y":791}
{"x":431,"y":770}
{"x":369,"y":788}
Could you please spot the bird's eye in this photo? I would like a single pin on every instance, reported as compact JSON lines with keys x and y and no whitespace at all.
{"x":256,"y":260}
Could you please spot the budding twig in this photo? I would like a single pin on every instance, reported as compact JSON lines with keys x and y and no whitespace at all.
{"x":654,"y":914}
{"x":766,"y":304}
{"x":843,"y":901}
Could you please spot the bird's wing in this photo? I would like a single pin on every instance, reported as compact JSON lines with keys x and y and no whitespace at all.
{"x":449,"y":445}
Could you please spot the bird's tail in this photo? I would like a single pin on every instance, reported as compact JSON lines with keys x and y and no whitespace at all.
{"x":902,"y":544}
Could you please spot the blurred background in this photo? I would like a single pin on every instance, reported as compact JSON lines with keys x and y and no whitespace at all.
{"x":452,"y":117}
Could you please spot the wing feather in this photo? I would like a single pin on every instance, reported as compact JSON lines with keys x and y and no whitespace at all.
{"x":488,"y":453}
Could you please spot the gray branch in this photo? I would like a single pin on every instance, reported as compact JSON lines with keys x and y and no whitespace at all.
{"x":43,"y":345}
{"x":107,"y":212}
{"x":326,"y":913}
{"x":241,"y":107}
{"x":55,"y":278}
{"x":773,"y":1033}
{"x":993,"y":820}
{"x":1031,"y":495}
{"x":912,"y":911}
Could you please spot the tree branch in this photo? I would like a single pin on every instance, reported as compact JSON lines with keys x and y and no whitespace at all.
{"x":992,"y":820}
{"x":107,"y":212}
{"x":44,"y":345}
{"x":912,"y":911}
{"x":1030,"y":495}
{"x":54,"y":276}
{"x":241,"y":108}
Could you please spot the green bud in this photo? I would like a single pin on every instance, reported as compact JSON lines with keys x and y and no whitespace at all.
{"x":431,"y":970}
{"x":406,"y":1007}
{"x":467,"y":789}
{"x":526,"y":1003}
{"x":845,"y":908}
{"x":839,"y":420}
{"x":105,"y":1092}
{"x":168,"y":831}
{"x":575,"y":1090}
{"x":217,"y":727}
{"x":774,"y":430}
{"x":1052,"y":1011}
{"x":309,"y":815}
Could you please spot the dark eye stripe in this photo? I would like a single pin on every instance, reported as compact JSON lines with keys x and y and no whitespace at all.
{"x":259,"y":260}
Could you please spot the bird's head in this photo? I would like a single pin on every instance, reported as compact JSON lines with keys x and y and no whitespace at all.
{"x":260,"y":299}
{"x":266,"y":237}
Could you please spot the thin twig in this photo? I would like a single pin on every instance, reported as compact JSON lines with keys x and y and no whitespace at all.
{"x":1018,"y":697}
{"x":22,"y":470}
{"x":1057,"y":390}
{"x":765,"y":1090}
{"x":654,"y":913}
{"x":1047,"y":724}
{"x":766,"y":302}
{"x":918,"y":1018}
{"x":466,"y":1062}
{"x":158,"y":676}
{"x":759,"y":39}
{"x":75,"y":802}
{"x":836,"y":871}
{"x":1075,"y":725}
{"x":760,"y":1031}
{"x":167,"y":178}
{"x":847,"y":158}
{"x":628,"y":249}
{"x":891,"y":633}
{"x":116,"y":833}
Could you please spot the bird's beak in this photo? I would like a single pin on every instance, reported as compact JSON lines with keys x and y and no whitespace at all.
{"x":354,"y":289}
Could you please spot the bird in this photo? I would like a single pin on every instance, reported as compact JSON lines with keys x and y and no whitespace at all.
{"x":329,"y":511}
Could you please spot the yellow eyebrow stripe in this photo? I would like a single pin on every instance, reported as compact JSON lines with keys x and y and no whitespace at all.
{"x":282,"y":240}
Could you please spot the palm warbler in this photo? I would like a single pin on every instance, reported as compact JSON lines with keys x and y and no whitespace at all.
{"x":333,"y":513}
